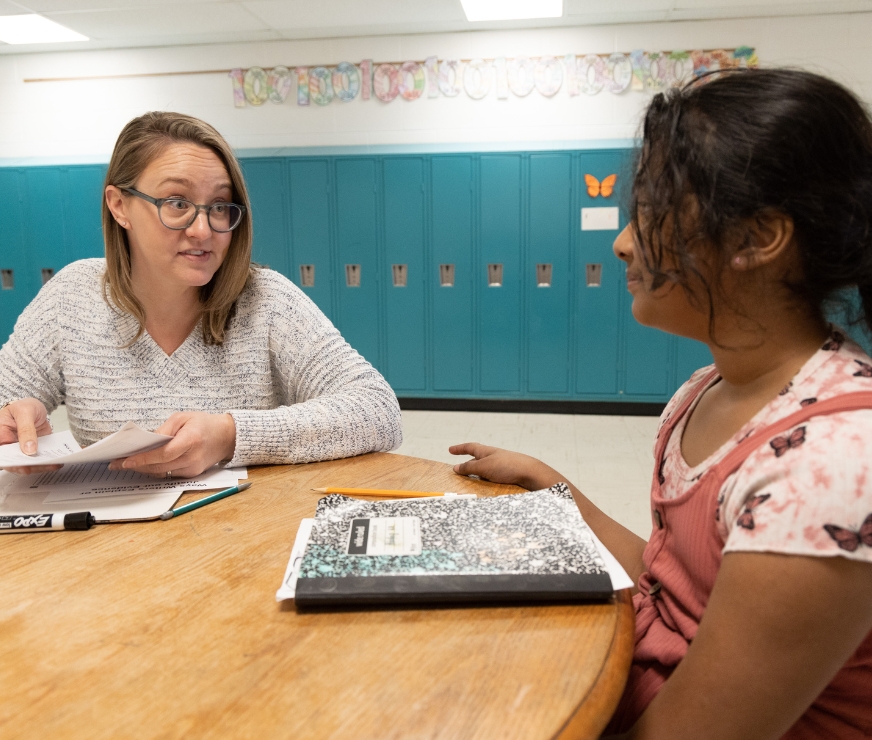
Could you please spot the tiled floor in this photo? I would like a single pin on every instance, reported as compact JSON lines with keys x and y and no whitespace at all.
{"x":608,"y":457}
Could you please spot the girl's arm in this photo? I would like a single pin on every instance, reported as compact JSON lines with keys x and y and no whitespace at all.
{"x":503,"y":466}
{"x":776,"y":631}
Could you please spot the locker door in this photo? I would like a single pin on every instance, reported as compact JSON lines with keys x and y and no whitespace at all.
{"x":404,"y":274}
{"x":500,"y":294}
{"x":690,"y":356}
{"x":451,"y":318}
{"x":600,"y":283}
{"x":44,"y":216}
{"x":83,"y":204}
{"x":647,"y":370}
{"x":357,"y":241}
{"x":15,"y":289}
{"x":309,"y":188}
{"x":266,"y":190}
{"x":548,"y":296}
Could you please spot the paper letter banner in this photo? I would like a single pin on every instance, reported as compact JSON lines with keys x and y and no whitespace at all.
{"x":503,"y":77}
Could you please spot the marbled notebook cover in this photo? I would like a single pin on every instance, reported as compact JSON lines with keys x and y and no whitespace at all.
{"x":513,"y":545}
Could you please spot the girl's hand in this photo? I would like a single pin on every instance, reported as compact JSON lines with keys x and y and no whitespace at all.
{"x":23,"y":421}
{"x":199,"y":441}
{"x":502,"y":466}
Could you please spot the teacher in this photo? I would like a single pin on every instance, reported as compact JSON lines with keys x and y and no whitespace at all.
{"x":178,"y":331}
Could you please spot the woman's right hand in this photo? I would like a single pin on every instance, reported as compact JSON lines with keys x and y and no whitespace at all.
{"x":503,"y":466}
{"x":23,"y":421}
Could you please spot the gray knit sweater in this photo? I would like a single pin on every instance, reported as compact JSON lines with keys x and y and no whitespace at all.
{"x":297,"y":391}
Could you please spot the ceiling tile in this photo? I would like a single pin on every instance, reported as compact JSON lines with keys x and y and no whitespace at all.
{"x":75,"y":6}
{"x":190,"y":20}
{"x":346,"y":13}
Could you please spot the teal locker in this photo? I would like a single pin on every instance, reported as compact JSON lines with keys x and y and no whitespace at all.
{"x":406,"y":366}
{"x":83,"y":204}
{"x":44,"y":215}
{"x":357,"y":274}
{"x":498,"y":274}
{"x":16,"y":289}
{"x":309,"y":209}
{"x":647,"y":369}
{"x":264,"y":179}
{"x":548,"y":294}
{"x":452,"y":316}
{"x":690,"y":356}
{"x":599,"y":277}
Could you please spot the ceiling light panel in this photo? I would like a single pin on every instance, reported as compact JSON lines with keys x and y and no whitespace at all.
{"x":34,"y":29}
{"x":510,"y":10}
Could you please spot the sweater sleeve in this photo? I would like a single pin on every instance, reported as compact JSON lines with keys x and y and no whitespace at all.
{"x":30,"y":361}
{"x":334,"y":404}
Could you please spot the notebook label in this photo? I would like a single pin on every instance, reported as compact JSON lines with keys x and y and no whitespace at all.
{"x":395,"y":535}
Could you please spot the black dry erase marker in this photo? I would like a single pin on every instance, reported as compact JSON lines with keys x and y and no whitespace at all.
{"x":15,"y":523}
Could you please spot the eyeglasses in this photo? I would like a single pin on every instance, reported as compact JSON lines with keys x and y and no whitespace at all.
{"x":178,"y":213}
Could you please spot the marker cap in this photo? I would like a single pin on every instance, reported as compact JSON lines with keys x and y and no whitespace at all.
{"x":79,"y":520}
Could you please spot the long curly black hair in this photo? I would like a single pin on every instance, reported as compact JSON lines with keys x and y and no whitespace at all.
{"x":745,"y":143}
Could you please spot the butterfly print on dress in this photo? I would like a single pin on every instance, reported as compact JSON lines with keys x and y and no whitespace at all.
{"x":807,"y":402}
{"x":788,"y":441}
{"x":865,"y":370}
{"x":660,"y":476}
{"x":848,"y":539}
{"x":835,"y":342}
{"x":784,"y":391}
{"x":746,"y":518}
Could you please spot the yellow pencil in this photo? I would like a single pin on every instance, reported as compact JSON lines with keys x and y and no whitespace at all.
{"x":383,"y":493}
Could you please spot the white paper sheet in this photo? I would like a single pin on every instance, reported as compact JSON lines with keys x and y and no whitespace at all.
{"x":289,"y":583}
{"x":620,"y":579}
{"x":62,"y":448}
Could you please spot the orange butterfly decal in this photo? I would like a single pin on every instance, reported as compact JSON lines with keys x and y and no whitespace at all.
{"x":604,"y":188}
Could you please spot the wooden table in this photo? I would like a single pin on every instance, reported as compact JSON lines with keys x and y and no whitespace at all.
{"x":171,"y":630}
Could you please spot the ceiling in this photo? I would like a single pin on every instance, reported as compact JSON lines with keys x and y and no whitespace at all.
{"x":143,"y":23}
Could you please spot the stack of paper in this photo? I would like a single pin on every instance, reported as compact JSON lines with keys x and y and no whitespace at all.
{"x":85,"y":483}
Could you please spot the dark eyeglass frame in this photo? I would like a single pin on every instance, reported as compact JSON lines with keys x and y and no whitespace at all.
{"x":158,"y":202}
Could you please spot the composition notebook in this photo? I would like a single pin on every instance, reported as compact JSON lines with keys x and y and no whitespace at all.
{"x":519,"y":547}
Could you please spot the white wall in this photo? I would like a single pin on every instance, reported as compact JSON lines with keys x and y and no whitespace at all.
{"x":79,"y":120}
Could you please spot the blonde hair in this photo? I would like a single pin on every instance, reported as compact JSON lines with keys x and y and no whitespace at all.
{"x":139,"y":143}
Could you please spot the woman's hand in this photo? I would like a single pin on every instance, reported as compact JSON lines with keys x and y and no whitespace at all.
{"x":199,"y":441}
{"x":23,"y":421}
{"x":503,"y":466}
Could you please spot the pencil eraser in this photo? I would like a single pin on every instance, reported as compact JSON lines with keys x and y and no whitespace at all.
{"x":166,"y":515}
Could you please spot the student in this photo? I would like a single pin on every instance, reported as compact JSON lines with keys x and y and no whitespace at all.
{"x":752,"y":205}
{"x":179,"y":332}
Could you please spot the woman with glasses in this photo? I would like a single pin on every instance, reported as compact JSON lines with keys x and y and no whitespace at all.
{"x":179,"y":332}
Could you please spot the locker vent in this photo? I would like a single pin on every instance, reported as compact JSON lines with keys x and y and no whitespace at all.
{"x":543,"y":276}
{"x":352,"y":276}
{"x":307,"y":276}
{"x":401,"y":275}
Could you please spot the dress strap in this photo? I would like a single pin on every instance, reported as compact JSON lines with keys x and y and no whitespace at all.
{"x":679,"y":412}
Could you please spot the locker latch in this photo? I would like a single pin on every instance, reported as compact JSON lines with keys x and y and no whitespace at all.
{"x":446,"y":276}
{"x":7,"y":280}
{"x":352,"y":276}
{"x":47,"y":274}
{"x":594,"y":275}
{"x":543,"y":276}
{"x":401,"y":275}
{"x":307,"y":276}
{"x":494,"y":275}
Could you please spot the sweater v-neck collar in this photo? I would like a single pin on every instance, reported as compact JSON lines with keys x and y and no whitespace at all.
{"x":183,"y":362}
